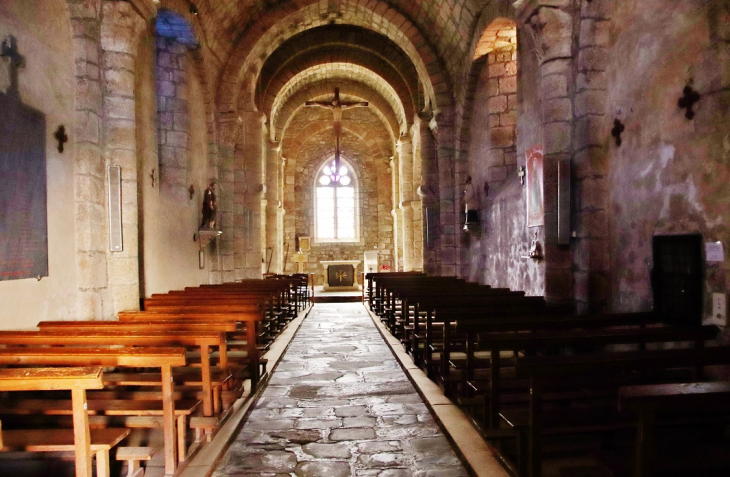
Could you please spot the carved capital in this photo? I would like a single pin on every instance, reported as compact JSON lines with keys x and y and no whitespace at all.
{"x":550,"y":26}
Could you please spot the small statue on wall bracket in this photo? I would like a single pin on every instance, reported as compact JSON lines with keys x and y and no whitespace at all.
{"x":535,"y":249}
{"x":209,"y":206}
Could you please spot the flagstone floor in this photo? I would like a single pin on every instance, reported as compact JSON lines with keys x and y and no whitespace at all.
{"x":338,"y":404}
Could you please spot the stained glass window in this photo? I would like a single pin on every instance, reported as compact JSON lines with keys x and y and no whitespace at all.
{"x":336,"y":204}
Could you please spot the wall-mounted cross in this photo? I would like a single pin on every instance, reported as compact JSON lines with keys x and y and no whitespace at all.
{"x":337,"y":106}
{"x":521,"y":174}
{"x":688,"y":100}
{"x":61,"y":137}
{"x":618,"y":128}
{"x":14,"y":61}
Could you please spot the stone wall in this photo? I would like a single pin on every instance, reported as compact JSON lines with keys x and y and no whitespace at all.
{"x":376,"y":226}
{"x":47,"y":83}
{"x":171,"y":215}
{"x":671,"y":174}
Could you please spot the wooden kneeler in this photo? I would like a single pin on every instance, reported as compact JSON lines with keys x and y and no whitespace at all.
{"x":133,"y":456}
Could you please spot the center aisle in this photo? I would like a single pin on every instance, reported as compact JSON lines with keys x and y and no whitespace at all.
{"x":338,"y":404}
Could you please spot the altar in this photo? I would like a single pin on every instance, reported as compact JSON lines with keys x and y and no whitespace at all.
{"x":340,"y":275}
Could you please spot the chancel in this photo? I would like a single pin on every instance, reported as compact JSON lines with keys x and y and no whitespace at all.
{"x":510,"y":216}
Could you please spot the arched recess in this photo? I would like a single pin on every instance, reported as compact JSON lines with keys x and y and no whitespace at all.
{"x":285,"y":20}
{"x":340,"y":44}
{"x":376,"y":146}
{"x":368,"y":161}
{"x":205,"y":65}
{"x":346,"y":72}
{"x":349,"y":90}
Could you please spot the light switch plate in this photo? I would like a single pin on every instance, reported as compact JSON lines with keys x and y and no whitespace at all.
{"x":719,"y":309}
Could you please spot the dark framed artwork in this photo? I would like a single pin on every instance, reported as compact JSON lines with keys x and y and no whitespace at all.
{"x":535,"y":199}
{"x":23,"y":216}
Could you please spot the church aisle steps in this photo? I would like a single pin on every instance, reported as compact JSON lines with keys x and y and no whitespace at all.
{"x":338,"y":404}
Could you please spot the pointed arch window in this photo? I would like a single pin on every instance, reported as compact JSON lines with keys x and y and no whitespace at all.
{"x":336,"y":204}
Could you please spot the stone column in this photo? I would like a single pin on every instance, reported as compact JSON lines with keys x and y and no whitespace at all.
{"x":416,"y":203}
{"x":91,"y":223}
{"x":448,"y":210}
{"x":405,"y":165}
{"x":248,"y":178}
{"x":230,"y":207}
{"x":430,"y":188}
{"x":396,"y":215}
{"x":553,"y":28}
{"x":273,"y":244}
{"x":120,"y":32}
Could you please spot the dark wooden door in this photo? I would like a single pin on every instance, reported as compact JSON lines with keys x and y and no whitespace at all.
{"x":677,"y":278}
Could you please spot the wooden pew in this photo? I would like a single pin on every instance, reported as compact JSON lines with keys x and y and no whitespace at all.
{"x":147,"y":326}
{"x":540,"y":369}
{"x":248,"y":321}
{"x":200,"y":340}
{"x":83,"y":442}
{"x":650,"y":399}
{"x":163,"y":358}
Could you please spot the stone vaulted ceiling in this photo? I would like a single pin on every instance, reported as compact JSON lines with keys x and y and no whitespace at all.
{"x":272,"y":56}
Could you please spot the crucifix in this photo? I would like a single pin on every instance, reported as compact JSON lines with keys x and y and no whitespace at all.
{"x":14,"y":60}
{"x":337,"y":107}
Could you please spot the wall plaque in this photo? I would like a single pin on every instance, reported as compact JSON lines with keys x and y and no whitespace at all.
{"x":23,"y":215}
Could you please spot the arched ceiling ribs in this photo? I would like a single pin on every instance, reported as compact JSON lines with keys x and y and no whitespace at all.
{"x":325,"y":61}
{"x":374,"y":145}
{"x":333,"y":73}
{"x":340,"y":44}
{"x":322,"y":90}
{"x":282,"y":21}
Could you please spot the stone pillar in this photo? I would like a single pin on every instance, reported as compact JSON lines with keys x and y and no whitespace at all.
{"x":590,"y":160}
{"x":395,"y":214}
{"x":430,"y":188}
{"x":416,"y":203}
{"x":230,"y":209}
{"x":405,"y":166}
{"x":91,"y":225}
{"x":448,"y":199}
{"x":248,"y":179}
{"x":551,"y":26}
{"x":120,"y":33}
{"x":273,"y":244}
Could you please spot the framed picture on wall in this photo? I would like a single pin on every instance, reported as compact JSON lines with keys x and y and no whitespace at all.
{"x":535,"y":199}
{"x":304,"y":243}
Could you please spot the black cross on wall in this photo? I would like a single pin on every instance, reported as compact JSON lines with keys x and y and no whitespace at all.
{"x":12,"y":60}
{"x":688,"y":100}
{"x":61,"y":137}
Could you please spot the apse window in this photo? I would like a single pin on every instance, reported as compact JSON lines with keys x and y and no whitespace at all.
{"x":336,"y":204}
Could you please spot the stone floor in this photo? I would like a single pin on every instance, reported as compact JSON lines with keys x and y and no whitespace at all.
{"x":338,"y":404}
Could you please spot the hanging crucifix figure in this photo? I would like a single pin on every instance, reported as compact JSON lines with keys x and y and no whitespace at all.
{"x":337,"y":107}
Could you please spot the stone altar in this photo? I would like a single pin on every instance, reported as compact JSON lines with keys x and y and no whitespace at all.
{"x":342,"y":277}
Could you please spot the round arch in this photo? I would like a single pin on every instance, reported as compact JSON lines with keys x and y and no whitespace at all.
{"x":348,"y":90}
{"x":285,"y":20}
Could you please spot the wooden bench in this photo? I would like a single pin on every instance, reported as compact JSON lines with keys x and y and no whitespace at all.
{"x":163,"y":358}
{"x":202,"y":341}
{"x":648,"y":400}
{"x":540,"y":369}
{"x":244,"y":336}
{"x":80,"y":440}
